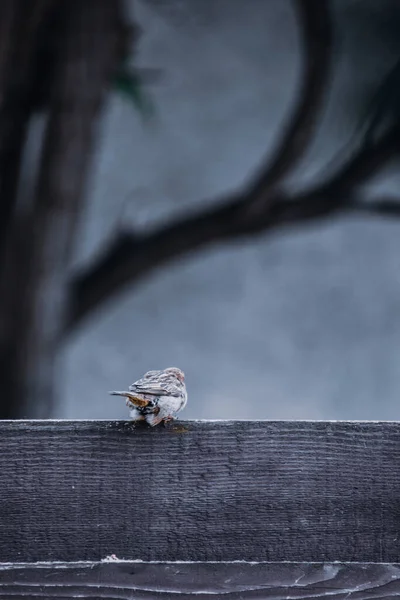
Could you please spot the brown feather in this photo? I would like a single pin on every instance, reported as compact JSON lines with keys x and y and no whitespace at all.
{"x":134,"y":399}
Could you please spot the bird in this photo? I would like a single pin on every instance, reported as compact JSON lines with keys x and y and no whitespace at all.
{"x":157,"y":396}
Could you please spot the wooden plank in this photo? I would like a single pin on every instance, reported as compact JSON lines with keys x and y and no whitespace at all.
{"x":255,"y":491}
{"x":182,"y":581}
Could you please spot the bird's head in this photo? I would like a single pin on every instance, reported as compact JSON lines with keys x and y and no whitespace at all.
{"x":180,"y":375}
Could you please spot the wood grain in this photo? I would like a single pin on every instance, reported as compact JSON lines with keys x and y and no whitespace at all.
{"x":180,"y":581}
{"x":220,"y":491}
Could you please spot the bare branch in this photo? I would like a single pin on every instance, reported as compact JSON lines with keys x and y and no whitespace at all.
{"x":316,"y":34}
{"x":336,"y":194}
{"x":131,"y":257}
{"x":385,"y":207}
{"x":127,"y":258}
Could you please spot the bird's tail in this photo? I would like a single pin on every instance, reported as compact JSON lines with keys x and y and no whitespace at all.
{"x":134,"y":399}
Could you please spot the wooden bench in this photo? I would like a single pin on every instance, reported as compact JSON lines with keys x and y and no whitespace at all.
{"x":288,"y":509}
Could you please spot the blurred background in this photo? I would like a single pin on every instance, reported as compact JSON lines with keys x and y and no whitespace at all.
{"x":297,"y":322}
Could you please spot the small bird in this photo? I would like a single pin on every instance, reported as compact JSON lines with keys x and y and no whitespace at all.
{"x":157,"y":397}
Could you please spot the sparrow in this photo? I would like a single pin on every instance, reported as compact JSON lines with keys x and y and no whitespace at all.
{"x":157,"y":397}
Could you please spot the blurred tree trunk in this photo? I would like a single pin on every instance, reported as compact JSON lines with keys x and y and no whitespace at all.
{"x":18,"y":41}
{"x":70,"y":76}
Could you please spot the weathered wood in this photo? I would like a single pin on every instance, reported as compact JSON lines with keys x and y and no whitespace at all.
{"x":180,"y":581}
{"x":255,"y":491}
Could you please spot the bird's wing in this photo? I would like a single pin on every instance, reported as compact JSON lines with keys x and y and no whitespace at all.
{"x":149,"y":377}
{"x":155,"y":388}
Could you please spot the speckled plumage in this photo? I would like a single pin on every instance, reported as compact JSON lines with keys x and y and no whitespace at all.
{"x":157,"y":396}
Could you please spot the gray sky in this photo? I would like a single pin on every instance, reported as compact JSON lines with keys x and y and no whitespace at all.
{"x":299,"y":325}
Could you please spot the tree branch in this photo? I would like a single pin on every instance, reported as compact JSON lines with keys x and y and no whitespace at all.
{"x":131,"y":257}
{"x":316,"y":42}
{"x":386,"y":207}
{"x":262,"y":207}
{"x":128,"y":257}
{"x":336,"y":195}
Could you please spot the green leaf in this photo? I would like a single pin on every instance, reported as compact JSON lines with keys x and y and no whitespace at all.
{"x":129,"y":84}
